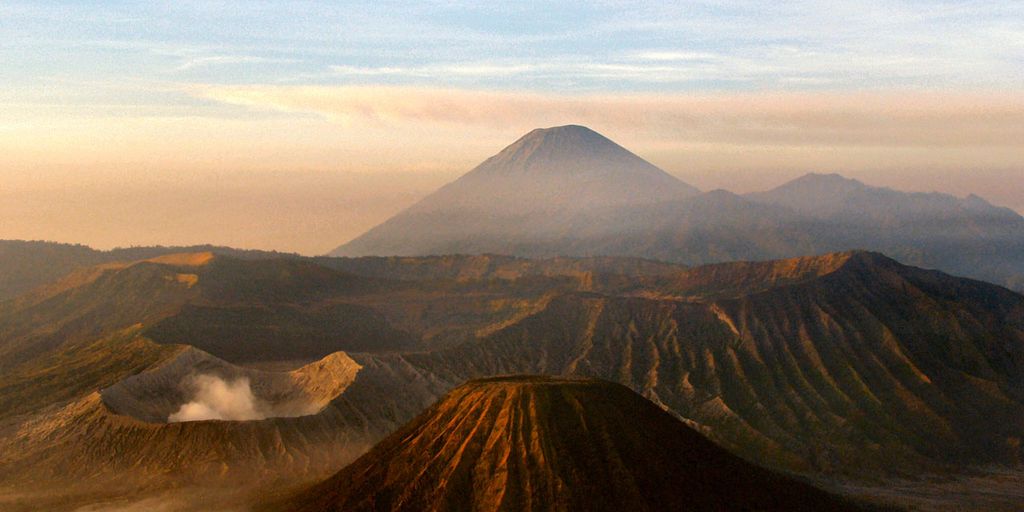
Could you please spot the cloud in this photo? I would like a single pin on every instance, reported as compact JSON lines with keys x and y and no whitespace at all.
{"x":692,"y":45}
{"x":676,"y":55}
{"x":890,"y":119}
{"x":219,"y":399}
{"x":214,"y":60}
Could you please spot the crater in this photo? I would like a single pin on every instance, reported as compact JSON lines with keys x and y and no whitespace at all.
{"x":196,"y":386}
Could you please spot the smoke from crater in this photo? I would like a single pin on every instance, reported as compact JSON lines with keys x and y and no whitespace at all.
{"x":219,"y":399}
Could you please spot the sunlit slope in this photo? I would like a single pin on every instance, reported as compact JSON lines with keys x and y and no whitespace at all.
{"x":541,"y":443}
{"x":871,"y":368}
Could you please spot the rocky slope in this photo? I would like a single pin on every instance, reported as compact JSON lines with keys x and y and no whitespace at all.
{"x":849,"y":364}
{"x":541,"y":443}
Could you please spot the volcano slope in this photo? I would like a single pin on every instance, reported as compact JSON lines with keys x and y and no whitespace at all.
{"x":847,"y":365}
{"x":531,"y":443}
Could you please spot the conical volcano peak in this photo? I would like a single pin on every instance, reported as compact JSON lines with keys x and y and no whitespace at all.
{"x":562,"y":138}
{"x":568,"y":150}
{"x":538,"y":188}
{"x":530,"y":443}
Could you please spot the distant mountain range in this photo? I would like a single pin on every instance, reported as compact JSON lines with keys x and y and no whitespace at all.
{"x":846,"y":365}
{"x":531,"y":443}
{"x":569,"y":191}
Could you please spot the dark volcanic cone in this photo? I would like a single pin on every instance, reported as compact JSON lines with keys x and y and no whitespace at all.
{"x":540,"y":444}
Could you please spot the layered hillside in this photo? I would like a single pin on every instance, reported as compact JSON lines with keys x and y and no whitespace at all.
{"x":849,"y":364}
{"x":541,"y":443}
{"x":100,"y":324}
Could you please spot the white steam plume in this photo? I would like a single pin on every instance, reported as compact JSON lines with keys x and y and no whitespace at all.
{"x":218,"y":399}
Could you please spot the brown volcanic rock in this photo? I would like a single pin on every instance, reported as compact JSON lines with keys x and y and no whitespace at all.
{"x":543,"y":443}
{"x":847,"y":364}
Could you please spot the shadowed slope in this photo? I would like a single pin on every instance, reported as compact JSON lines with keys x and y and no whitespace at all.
{"x":541,"y":444}
{"x":98,"y":325}
{"x":236,"y":309}
{"x":25,"y":265}
{"x":464,"y":268}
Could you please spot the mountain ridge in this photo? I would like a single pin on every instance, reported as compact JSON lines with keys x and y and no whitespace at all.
{"x":514,"y":205}
{"x":833,"y":194}
{"x":29,"y":264}
{"x":864,"y":371}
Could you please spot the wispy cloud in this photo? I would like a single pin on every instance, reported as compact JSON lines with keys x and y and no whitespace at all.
{"x":671,"y":55}
{"x":215,"y":60}
{"x":469,"y":69}
{"x":609,"y":46}
{"x":869,"y":119}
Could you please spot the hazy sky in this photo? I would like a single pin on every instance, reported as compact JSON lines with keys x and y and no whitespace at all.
{"x":296,"y":125}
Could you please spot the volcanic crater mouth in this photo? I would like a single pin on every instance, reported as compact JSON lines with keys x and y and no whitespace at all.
{"x":196,"y":386}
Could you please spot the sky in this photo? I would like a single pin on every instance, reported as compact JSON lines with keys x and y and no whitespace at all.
{"x":297,"y":125}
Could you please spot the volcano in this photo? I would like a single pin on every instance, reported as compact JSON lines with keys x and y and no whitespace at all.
{"x":540,"y":443}
{"x":533,"y":190}
{"x":569,"y":191}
